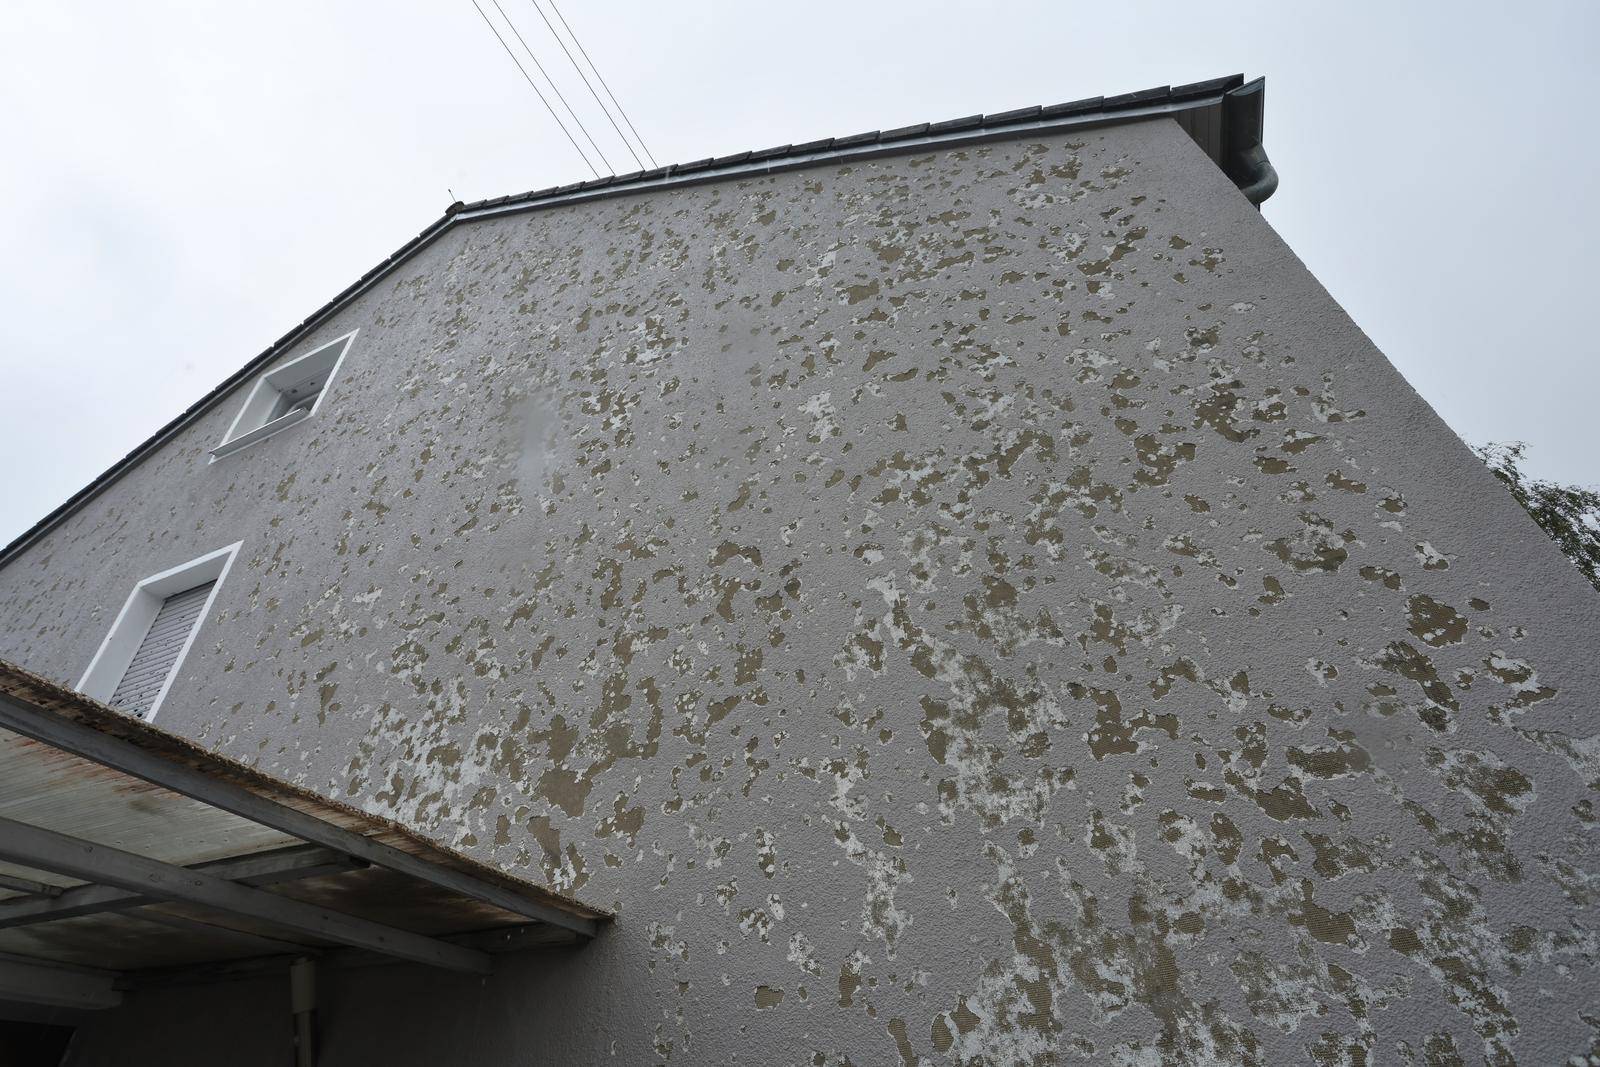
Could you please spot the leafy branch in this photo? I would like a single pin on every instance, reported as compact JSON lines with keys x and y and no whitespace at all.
{"x":1570,"y":514}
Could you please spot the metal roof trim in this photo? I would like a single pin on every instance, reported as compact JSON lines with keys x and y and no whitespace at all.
{"x":955,"y":133}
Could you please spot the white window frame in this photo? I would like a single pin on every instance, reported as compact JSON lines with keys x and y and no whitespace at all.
{"x":116,"y":652}
{"x":257,"y":411}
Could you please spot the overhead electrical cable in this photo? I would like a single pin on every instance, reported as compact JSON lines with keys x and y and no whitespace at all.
{"x":535,"y":88}
{"x":553,"y":86}
{"x":588,"y":85}
{"x":603,"y":84}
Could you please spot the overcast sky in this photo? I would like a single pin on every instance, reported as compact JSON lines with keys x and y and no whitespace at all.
{"x":183,"y":182}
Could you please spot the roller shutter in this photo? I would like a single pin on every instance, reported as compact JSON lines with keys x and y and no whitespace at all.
{"x":151,"y":665}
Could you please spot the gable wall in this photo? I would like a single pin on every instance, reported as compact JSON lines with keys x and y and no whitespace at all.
{"x":994,"y":599}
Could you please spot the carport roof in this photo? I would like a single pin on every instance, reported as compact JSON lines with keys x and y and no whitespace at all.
{"x":130,"y":854}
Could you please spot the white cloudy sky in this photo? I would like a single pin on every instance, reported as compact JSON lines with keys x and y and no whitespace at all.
{"x":185,"y":181}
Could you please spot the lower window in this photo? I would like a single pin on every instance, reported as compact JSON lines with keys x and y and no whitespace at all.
{"x":141,"y":655}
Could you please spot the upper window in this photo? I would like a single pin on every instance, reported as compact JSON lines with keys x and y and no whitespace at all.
{"x":141,"y":655}
{"x":285,"y":396}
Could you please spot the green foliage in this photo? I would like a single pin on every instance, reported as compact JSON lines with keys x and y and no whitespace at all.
{"x":1570,"y":514}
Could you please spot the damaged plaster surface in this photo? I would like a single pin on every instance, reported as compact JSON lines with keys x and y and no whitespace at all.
{"x":983,"y":607}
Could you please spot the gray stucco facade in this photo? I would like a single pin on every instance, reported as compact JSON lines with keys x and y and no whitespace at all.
{"x":981,"y":606}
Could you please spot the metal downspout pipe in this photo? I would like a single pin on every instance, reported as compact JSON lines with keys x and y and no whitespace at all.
{"x":1243,"y":157}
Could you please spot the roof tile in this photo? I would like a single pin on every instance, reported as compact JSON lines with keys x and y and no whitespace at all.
{"x":903,"y":132}
{"x":1143,"y":96}
{"x":855,"y":139}
{"x":948,"y":125}
{"x":1072,"y":107}
{"x":1206,"y":88}
{"x":1021,"y":114}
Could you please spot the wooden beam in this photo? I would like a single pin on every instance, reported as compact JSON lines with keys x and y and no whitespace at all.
{"x":69,"y":736}
{"x":47,"y":850}
{"x":501,"y":939}
{"x":62,"y":987}
{"x":27,"y":885}
{"x":262,"y":868}
{"x":281,"y":865}
{"x":244,"y":940}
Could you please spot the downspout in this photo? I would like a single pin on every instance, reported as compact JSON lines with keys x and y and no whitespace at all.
{"x":303,"y":1003}
{"x":1243,"y":157}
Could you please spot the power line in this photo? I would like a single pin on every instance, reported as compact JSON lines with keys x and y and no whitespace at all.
{"x":535,"y":88}
{"x":554,"y":86}
{"x":623,"y":137}
{"x":603,"y":84}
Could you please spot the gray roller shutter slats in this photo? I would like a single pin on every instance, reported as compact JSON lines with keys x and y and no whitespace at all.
{"x":145,"y":676}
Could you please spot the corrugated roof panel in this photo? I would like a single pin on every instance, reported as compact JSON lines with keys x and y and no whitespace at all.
{"x":43,"y":786}
{"x":76,"y":788}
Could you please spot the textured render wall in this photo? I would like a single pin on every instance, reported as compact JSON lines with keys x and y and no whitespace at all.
{"x":989,"y":606}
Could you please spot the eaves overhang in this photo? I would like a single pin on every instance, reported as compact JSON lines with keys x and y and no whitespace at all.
{"x":1223,"y":115}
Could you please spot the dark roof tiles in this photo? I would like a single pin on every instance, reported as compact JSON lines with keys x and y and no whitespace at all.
{"x":1205,"y":88}
{"x":903,"y":132}
{"x":1143,"y":96}
{"x":812,"y":146}
{"x":856,"y":139}
{"x":1072,"y":107}
{"x":1021,"y":114}
{"x":948,"y":125}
